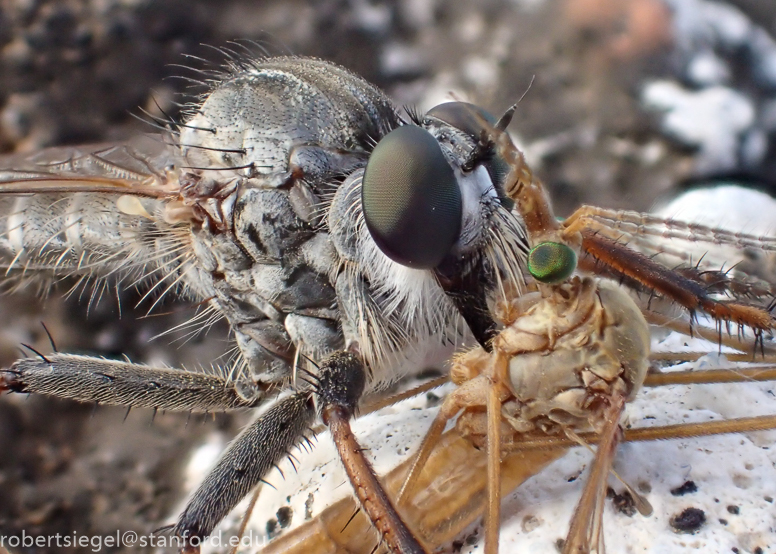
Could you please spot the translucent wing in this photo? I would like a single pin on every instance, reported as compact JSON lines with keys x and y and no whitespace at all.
{"x":135,"y":167}
{"x":92,"y":212}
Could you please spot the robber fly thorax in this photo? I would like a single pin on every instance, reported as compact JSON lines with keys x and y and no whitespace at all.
{"x":274,"y":173}
{"x":269,"y":171}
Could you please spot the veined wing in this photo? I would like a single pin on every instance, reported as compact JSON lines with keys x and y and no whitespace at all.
{"x":139,"y":167}
{"x":93,"y":212}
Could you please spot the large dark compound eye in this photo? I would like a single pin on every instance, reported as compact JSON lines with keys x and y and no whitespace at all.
{"x":472,"y":120}
{"x":411,"y":200}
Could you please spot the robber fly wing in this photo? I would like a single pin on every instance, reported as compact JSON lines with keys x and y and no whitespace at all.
{"x":92,"y":211}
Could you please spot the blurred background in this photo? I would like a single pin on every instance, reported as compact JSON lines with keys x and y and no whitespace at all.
{"x":626,"y":103}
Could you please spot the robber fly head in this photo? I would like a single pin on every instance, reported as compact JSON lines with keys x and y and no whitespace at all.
{"x":431,"y":218}
{"x":430,"y":187}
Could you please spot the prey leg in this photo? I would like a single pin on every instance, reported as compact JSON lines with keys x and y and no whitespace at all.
{"x":622,"y":261}
{"x":469,"y":393}
{"x":493,"y":513}
{"x":586,"y":529}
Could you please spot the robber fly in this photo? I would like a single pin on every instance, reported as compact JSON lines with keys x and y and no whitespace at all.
{"x":302,"y":207}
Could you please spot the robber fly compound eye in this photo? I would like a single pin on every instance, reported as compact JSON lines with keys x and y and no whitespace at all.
{"x":551,"y":262}
{"x":411,"y":199}
{"x":475,"y":122}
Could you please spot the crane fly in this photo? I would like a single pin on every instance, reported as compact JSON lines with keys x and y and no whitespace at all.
{"x":570,"y":355}
{"x":540,"y":485}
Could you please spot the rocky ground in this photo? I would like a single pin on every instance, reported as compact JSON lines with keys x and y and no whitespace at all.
{"x":624,"y":103}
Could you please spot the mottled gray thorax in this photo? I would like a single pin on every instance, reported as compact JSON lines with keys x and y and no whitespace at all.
{"x":268,"y":149}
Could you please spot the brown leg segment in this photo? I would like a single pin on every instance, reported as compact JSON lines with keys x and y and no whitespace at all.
{"x":493,"y":513}
{"x":586,"y":530}
{"x":340,"y":383}
{"x":368,"y":488}
{"x":654,"y":277}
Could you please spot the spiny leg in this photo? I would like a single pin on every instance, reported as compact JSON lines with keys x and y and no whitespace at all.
{"x":738,"y":341}
{"x":251,"y":455}
{"x":339,"y":385}
{"x":88,"y":379}
{"x":621,"y":260}
{"x":257,"y":449}
{"x":670,"y":239}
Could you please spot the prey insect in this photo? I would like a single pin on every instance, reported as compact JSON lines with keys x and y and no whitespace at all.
{"x":572,"y":352}
{"x":450,"y":496}
{"x":300,"y":206}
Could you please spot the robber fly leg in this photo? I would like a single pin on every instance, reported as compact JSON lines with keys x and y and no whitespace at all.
{"x":341,"y":381}
{"x":89,"y":379}
{"x":318,"y":164}
{"x":248,"y":459}
{"x":339,"y":385}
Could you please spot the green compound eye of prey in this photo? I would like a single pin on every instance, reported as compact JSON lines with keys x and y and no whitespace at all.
{"x":551,"y":262}
{"x":411,"y":199}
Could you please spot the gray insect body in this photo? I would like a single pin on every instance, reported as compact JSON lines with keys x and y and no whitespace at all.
{"x":262,"y":216}
{"x":262,"y":206}
{"x":287,"y":114}
{"x":295,"y":128}
{"x":284,"y":253}
{"x":52,"y":227}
